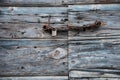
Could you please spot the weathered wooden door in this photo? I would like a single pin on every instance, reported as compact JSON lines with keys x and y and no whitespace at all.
{"x":27,"y":52}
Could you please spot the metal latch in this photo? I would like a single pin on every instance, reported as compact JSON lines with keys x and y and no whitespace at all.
{"x":53,"y":31}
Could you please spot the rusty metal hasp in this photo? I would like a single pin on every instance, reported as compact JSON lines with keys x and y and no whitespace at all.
{"x":92,"y":26}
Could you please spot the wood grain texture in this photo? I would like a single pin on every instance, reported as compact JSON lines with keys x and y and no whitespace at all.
{"x":26,"y":50}
{"x":94,"y":58}
{"x":33,"y":57}
{"x":28,"y":30}
{"x":36,"y":78}
{"x":94,"y":78}
{"x":33,"y":10}
{"x":109,"y":29}
{"x":93,"y":1}
{"x":40,"y":3}
{"x":33,"y":14}
{"x":94,"y":53}
{"x":26,"y":22}
{"x":93,"y":7}
{"x":32,"y":19}
{"x":43,"y":3}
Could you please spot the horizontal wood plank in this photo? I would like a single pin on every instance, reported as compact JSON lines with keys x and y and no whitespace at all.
{"x":89,"y":7}
{"x":33,"y":10}
{"x":93,"y":1}
{"x":27,"y":22}
{"x":33,"y":15}
{"x":94,"y":58}
{"x":29,"y":30}
{"x":32,"y":19}
{"x":33,"y":58}
{"x":94,"y":78}
{"x":109,"y":29}
{"x":40,"y":3}
{"x":83,"y":74}
{"x":82,"y":18}
{"x":36,"y":78}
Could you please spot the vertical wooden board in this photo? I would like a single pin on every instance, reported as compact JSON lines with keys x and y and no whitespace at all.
{"x":94,"y":58}
{"x":33,"y":2}
{"x":33,"y":58}
{"x":36,"y":78}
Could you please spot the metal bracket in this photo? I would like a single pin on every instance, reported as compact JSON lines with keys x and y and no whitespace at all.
{"x":53,"y":31}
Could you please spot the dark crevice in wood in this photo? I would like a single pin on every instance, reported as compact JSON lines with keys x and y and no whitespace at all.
{"x":31,"y":5}
{"x":108,"y":68}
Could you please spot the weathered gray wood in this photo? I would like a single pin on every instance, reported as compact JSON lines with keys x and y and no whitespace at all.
{"x":33,"y":57}
{"x":27,"y":22}
{"x":94,"y":58}
{"x":82,"y":74}
{"x":36,"y":78}
{"x":82,"y":18}
{"x":34,"y":14}
{"x":110,"y":28}
{"x":92,"y":1}
{"x":111,"y":19}
{"x":94,"y":78}
{"x":40,"y":3}
{"x":90,"y":7}
{"x":33,"y":19}
{"x":29,"y":30}
{"x":94,"y":53}
{"x":33,"y":10}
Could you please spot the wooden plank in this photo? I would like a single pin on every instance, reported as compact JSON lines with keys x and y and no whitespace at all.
{"x":90,"y":7}
{"x":82,"y":18}
{"x":94,"y":58}
{"x":94,"y":78}
{"x":27,"y":22}
{"x":33,"y":58}
{"x":43,"y":3}
{"x":36,"y":78}
{"x":83,"y":74}
{"x":109,"y":29}
{"x":33,"y":10}
{"x":32,"y":3}
{"x":94,"y":53}
{"x":33,"y":19}
{"x":93,"y":1}
{"x":22,"y":14}
{"x":29,"y":30}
